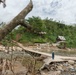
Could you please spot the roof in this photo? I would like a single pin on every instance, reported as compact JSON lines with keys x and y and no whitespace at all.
{"x":61,"y":38}
{"x":42,"y":32}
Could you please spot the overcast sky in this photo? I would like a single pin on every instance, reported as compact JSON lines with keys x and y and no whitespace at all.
{"x":61,"y":10}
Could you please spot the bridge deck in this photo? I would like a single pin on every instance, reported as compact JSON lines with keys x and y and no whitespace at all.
{"x":57,"y":57}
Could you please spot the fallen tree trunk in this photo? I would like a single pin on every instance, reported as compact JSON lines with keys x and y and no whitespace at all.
{"x":18,"y":20}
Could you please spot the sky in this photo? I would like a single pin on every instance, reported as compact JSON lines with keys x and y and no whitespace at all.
{"x":59,"y":10}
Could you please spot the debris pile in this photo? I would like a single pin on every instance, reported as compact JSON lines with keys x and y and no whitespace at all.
{"x":63,"y":68}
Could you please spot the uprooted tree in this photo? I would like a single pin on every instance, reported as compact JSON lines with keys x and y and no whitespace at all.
{"x":18,"y":20}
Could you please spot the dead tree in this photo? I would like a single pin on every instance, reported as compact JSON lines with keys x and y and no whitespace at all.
{"x":18,"y":20}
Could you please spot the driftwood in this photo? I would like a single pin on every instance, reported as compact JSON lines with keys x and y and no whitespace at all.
{"x":18,"y":20}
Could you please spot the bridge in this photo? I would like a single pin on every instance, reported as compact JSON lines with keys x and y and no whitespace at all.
{"x":58,"y":58}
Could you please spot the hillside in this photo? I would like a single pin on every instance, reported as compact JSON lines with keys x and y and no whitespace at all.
{"x":52,"y":29}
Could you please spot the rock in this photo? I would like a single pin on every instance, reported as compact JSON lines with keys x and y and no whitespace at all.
{"x":58,"y":72}
{"x":19,"y":68}
{"x":66,"y":64}
{"x":59,"y":68}
{"x":71,"y":68}
{"x":75,"y":65}
{"x":51,"y":73}
{"x":43,"y":73}
{"x":71,"y":62}
{"x":45,"y":67}
{"x":54,"y":73}
{"x":65,"y":68}
{"x":9,"y":72}
{"x":73,"y":74}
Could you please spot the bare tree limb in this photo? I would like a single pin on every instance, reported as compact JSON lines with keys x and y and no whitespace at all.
{"x":29,"y":27}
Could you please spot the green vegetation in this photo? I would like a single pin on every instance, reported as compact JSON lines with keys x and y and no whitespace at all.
{"x":52,"y":29}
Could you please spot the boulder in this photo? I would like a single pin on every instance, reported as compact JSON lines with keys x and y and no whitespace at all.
{"x":8,"y":72}
{"x":59,"y":68}
{"x":71,"y":62}
{"x":19,"y":68}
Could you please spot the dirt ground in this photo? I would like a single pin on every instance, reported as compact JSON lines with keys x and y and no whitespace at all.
{"x":23,"y":65}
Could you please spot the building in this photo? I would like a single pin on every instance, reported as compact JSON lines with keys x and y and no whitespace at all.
{"x":61,"y":41}
{"x":60,"y":38}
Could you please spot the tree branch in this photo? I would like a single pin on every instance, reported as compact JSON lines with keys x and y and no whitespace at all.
{"x":28,"y":26}
{"x":16,"y":21}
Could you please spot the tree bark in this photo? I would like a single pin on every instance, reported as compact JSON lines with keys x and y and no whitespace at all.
{"x":16,"y":21}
